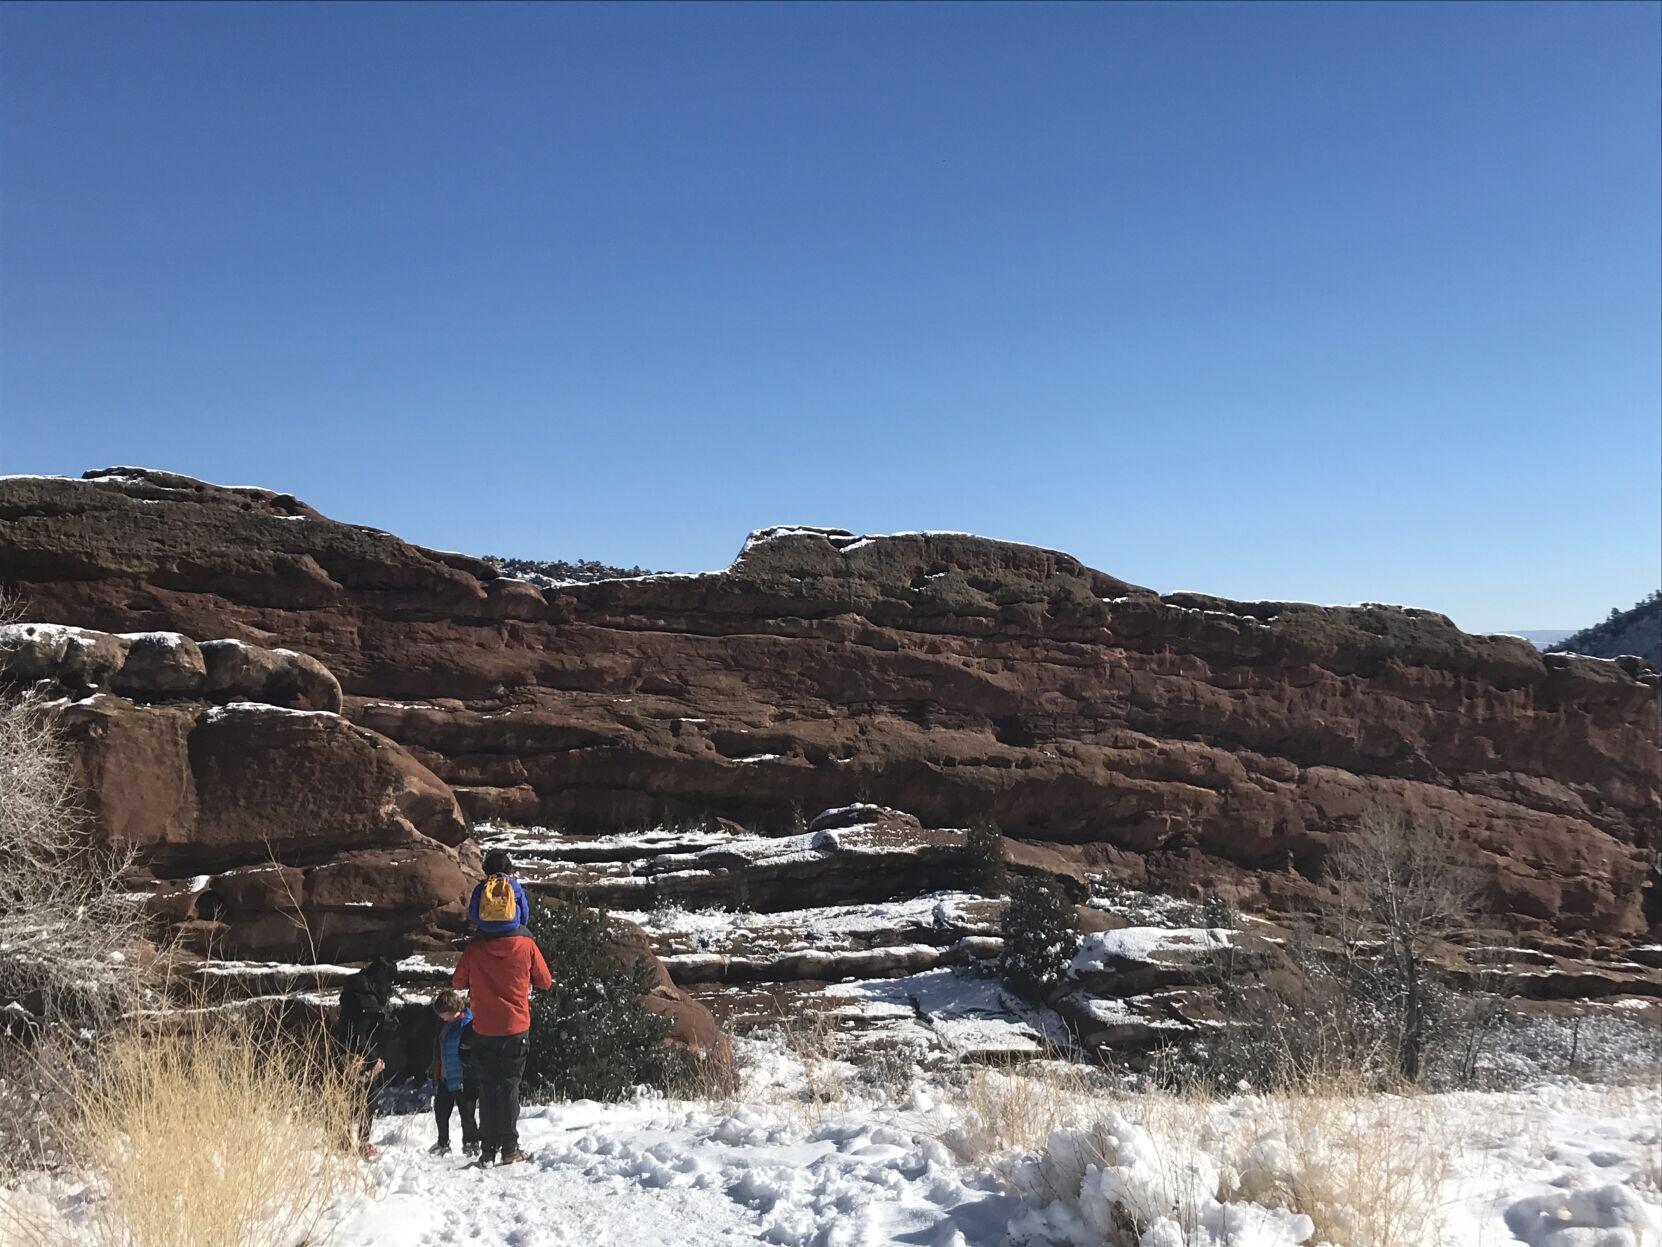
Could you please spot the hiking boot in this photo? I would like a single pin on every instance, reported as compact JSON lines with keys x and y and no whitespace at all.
{"x":470,"y":1147}
{"x":513,"y":1157}
{"x":441,"y":1148}
{"x":486,"y":1158}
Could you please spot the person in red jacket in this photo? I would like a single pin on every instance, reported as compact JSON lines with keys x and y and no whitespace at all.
{"x":498,"y":973}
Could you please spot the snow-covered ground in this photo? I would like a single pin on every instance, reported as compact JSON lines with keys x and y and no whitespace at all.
{"x":1565,"y":1165}
{"x":931,"y":1158}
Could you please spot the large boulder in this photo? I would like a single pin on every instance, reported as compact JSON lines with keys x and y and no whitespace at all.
{"x":692,"y":1026}
{"x":78,"y":659}
{"x":161,"y":665}
{"x":237,"y":671}
{"x":266,"y":832}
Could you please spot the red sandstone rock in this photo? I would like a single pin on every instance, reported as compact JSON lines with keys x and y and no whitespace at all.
{"x":273,"y":832}
{"x":1180,"y":741}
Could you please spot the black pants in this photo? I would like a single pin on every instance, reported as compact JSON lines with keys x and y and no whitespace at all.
{"x":466,"y":1101}
{"x":499,"y":1063}
{"x":374,"y":1086}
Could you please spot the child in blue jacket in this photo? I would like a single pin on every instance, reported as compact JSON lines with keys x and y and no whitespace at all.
{"x":499,"y":868}
{"x":453,"y":1082}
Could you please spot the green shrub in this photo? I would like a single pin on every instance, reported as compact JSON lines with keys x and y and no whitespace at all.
{"x":984,"y":847}
{"x":1218,"y":913}
{"x":591,"y":1038}
{"x":1041,"y":935}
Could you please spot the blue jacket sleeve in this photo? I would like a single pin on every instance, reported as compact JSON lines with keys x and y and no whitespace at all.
{"x":473,"y":904}
{"x":522,"y":905}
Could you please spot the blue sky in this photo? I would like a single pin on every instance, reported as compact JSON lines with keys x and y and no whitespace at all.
{"x":1333,"y":303}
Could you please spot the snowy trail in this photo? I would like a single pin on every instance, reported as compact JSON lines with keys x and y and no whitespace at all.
{"x":1564,"y":1166}
{"x":655,"y":1175}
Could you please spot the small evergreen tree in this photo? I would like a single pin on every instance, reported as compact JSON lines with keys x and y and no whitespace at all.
{"x":1041,"y":935}
{"x":984,"y":846}
{"x":591,"y":1037}
{"x":1216,"y":912}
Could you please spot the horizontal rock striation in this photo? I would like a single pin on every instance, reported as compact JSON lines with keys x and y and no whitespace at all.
{"x":265,"y":826}
{"x":1178,"y":740}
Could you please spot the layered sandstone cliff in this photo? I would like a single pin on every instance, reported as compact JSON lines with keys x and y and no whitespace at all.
{"x":1167,"y":739}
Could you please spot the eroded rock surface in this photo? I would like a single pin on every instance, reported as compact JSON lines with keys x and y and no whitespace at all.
{"x":262,"y":830}
{"x":1180,"y":741}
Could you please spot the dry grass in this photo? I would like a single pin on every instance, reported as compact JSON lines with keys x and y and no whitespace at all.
{"x":209,"y":1131}
{"x":1369,"y":1170}
{"x":1016,"y":1106}
{"x":812,"y":1039}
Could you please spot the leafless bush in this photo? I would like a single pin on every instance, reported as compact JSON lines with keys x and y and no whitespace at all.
{"x":68,"y":935}
{"x":1360,"y":993}
{"x":1402,"y":887}
{"x":812,"y":1039}
{"x":68,"y":927}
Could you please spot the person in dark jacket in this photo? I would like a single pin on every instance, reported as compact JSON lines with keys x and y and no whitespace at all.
{"x":364,"y":1033}
{"x":498,"y":866}
{"x":454,"y":1086}
{"x":498,"y":973}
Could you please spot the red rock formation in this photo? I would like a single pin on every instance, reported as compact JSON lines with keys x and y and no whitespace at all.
{"x":263,"y":830}
{"x":1171,"y":739}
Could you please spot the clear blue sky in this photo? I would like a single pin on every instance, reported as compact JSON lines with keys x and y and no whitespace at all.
{"x":1329,"y":302}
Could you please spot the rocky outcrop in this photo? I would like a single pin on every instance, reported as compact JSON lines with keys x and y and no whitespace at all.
{"x":1178,"y":740}
{"x":263,"y":828}
{"x":161,"y":666}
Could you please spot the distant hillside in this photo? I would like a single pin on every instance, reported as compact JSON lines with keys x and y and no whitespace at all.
{"x":550,"y":573}
{"x":1634,"y":631}
{"x":1542,"y":638}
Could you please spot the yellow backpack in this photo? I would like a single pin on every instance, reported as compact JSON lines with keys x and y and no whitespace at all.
{"x":497,"y":902}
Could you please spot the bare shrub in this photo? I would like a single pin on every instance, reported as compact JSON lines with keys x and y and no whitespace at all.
{"x":1367,"y":1170}
{"x":812,"y":1038}
{"x":1017,"y":1106}
{"x":888,"y":1068}
{"x":1401,"y":888}
{"x":69,"y":932}
{"x":68,"y":925}
{"x":1361,"y":994}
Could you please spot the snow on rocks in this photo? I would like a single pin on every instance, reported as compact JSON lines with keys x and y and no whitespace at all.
{"x":1101,"y":949}
{"x":1607,"y":1216}
{"x":958,"y":1013}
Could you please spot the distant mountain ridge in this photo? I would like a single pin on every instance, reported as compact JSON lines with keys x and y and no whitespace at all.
{"x":1541,"y":638}
{"x":1637,"y":630}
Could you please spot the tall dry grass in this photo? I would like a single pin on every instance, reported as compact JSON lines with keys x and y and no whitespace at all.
{"x":811,"y":1036}
{"x":206,"y":1130}
{"x":1370,"y":1169}
{"x":1012,"y":1106}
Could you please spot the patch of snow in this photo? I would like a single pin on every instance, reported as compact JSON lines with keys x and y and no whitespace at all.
{"x":167,"y":640}
{"x":249,"y":969}
{"x":1098,"y":950}
{"x":259,"y":709}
